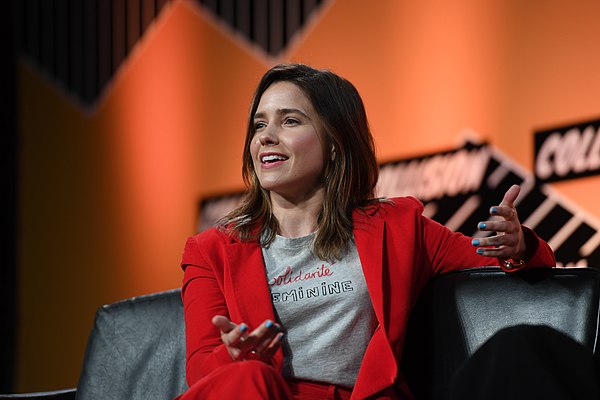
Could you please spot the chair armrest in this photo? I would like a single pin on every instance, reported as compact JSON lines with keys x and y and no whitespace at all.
{"x":63,"y":394}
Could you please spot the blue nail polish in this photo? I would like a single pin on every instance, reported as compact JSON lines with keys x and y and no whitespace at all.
{"x":475,"y":242}
{"x":482,"y":225}
{"x":494,"y":210}
{"x":269,"y":323}
{"x":243,"y":327}
{"x":480,"y":251}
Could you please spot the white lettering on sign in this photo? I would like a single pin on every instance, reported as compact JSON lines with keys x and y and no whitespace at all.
{"x":574,"y":152}
{"x":431,"y":178}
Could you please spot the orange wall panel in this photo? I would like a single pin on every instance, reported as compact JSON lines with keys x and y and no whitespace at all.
{"x":425,"y":69}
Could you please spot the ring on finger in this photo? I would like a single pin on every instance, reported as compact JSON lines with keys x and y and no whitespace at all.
{"x":240,"y":340}
{"x":253,"y":355}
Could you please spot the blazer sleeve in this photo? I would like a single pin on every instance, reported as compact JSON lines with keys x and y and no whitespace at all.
{"x":447,"y":251}
{"x":202,"y":298}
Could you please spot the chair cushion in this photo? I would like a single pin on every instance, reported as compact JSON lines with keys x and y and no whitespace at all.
{"x":136,"y":350}
{"x":457,"y":312}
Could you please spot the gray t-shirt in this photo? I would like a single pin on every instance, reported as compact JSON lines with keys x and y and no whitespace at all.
{"x":325,"y":308}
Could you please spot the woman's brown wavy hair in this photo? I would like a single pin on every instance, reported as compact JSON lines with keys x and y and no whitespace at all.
{"x":349,"y":179}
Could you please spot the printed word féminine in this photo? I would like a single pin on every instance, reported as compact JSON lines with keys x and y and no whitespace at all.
{"x":323,"y":289}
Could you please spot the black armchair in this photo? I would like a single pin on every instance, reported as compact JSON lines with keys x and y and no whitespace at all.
{"x":137,"y":347}
{"x":458,"y":312}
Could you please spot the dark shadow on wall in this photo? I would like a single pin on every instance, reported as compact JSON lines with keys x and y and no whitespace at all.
{"x":80,"y":45}
{"x":8,"y":188}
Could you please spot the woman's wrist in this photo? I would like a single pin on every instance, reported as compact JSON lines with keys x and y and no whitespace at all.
{"x":527,"y":249}
{"x":510,"y":263}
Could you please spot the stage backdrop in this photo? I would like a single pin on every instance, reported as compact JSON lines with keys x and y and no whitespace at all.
{"x":120,"y":142}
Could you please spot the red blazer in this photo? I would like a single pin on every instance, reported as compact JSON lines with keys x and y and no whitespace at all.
{"x":400,"y":250}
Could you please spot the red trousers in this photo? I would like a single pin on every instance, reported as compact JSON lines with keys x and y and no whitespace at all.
{"x":255,"y":380}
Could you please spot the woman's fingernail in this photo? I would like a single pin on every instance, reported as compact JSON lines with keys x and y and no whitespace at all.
{"x":480,"y":251}
{"x":482,"y":225}
{"x":280,"y":337}
{"x":269,"y":323}
{"x":243,"y":327}
{"x":494,"y":210}
{"x":475,"y":242}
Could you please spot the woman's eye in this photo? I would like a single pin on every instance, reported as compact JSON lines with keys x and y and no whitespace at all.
{"x":259,"y":125}
{"x":291,"y":121}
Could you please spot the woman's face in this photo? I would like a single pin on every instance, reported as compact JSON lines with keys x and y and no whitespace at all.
{"x":287,"y":148}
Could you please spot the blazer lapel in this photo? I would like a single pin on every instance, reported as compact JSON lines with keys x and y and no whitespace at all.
{"x":249,"y":282}
{"x":250,"y":290}
{"x":368,"y":235}
{"x":378,"y":369}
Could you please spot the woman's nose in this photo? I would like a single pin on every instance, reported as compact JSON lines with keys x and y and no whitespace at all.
{"x":268,"y":137}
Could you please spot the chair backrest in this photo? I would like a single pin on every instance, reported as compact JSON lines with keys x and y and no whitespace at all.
{"x":457,"y":312}
{"x":136,"y":350}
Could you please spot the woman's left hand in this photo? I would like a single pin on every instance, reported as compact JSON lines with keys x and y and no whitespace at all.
{"x":508,"y":243}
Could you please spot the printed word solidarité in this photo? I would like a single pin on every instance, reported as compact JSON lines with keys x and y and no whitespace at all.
{"x":287,"y":277}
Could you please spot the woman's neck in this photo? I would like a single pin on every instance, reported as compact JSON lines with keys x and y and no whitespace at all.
{"x":297,"y":218}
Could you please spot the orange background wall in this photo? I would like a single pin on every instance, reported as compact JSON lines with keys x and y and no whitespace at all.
{"x":108,"y":195}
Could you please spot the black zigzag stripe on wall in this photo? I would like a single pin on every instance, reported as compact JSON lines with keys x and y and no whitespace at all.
{"x":270,"y":24}
{"x":81,"y":43}
{"x":458,"y":187}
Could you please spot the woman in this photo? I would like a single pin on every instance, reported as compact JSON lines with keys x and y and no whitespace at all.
{"x":304,"y":291}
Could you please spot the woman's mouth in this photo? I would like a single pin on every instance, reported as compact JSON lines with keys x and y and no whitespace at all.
{"x":272,"y":158}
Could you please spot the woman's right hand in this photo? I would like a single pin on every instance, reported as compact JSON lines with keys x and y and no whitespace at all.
{"x":260,"y":344}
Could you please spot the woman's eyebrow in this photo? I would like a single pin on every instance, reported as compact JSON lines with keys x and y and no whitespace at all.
{"x":283,"y":111}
